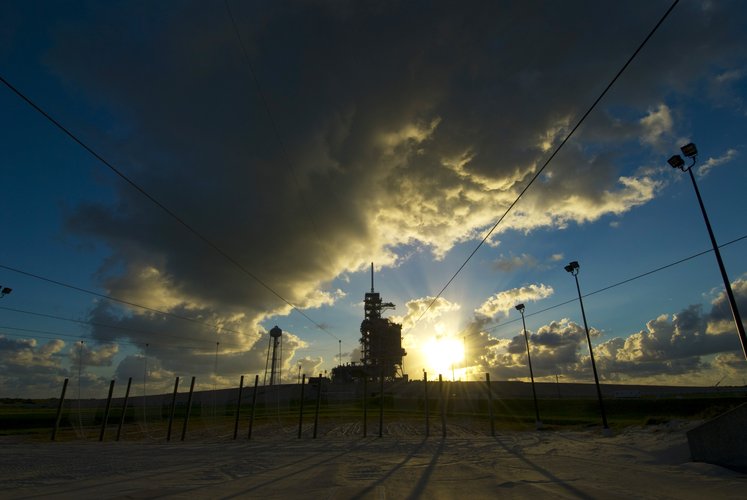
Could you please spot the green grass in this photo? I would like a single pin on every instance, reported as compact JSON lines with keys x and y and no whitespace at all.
{"x":508,"y":414}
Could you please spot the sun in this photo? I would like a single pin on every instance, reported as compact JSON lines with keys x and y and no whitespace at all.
{"x":443,"y":355}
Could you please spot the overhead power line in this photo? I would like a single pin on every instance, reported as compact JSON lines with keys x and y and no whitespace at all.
{"x":44,"y":334}
{"x":623,"y":282}
{"x":276,"y":129}
{"x":155,"y":335}
{"x":547,"y":162}
{"x":160,"y":205}
{"x":218,"y":328}
{"x":210,"y":342}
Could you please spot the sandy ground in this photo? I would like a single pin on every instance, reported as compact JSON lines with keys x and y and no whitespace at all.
{"x":641,"y":462}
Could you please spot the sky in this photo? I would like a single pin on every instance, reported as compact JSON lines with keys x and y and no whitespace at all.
{"x":239,"y":165}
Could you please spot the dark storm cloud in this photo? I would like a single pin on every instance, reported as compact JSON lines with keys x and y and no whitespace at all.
{"x":189,"y":347}
{"x":391,"y":124}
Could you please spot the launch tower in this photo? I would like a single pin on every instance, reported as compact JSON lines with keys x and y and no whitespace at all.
{"x":381,"y":338}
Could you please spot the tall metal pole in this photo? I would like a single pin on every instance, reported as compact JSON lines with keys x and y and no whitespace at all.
{"x":145,"y":378}
{"x":238,"y":408}
{"x":365,"y":404}
{"x":124,"y":408}
{"x":443,"y":405}
{"x":106,"y":411}
{"x":490,"y":404}
{"x":173,"y":409}
{"x":381,"y":402}
{"x":591,"y":352}
{"x":189,"y":408}
{"x":300,"y":408}
{"x":727,"y":283}
{"x":59,"y":411}
{"x":537,"y":421}
{"x":254,"y":406}
{"x":318,"y":402}
{"x":427,"y":418}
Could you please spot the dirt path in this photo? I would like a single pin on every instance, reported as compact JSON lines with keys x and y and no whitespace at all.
{"x":650,"y":462}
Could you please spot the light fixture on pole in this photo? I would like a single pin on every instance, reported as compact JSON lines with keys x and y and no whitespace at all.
{"x":4,"y":290}
{"x":537,"y":421}
{"x":573,"y":268}
{"x":676,"y":161}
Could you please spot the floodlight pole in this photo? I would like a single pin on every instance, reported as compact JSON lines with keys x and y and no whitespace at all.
{"x":724,"y":276}
{"x":573,"y":269}
{"x":537,"y":421}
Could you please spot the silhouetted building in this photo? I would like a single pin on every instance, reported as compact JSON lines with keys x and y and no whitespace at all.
{"x":381,"y":338}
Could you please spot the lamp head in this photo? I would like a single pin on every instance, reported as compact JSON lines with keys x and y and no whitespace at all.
{"x":520,"y":308}
{"x":676,"y":161}
{"x":573,"y":266}
{"x":5,"y":291}
{"x":689,"y":150}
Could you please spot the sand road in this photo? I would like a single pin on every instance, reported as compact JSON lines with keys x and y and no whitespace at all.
{"x":650,"y":462}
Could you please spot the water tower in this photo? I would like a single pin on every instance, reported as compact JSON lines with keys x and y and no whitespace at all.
{"x":275,"y":335}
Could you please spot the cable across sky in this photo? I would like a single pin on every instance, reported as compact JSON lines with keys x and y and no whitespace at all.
{"x":550,"y":158}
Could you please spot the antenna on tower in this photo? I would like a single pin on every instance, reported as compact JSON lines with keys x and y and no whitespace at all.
{"x":372,"y":281}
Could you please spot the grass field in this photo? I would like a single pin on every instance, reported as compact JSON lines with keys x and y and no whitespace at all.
{"x":36,"y":419}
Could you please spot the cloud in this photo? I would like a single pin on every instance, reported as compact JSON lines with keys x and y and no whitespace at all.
{"x":28,"y":368}
{"x":658,"y":126}
{"x":525,"y":260}
{"x":27,"y":353}
{"x":418,"y":309}
{"x":396,"y":132}
{"x":375,"y":146}
{"x":685,"y":348}
{"x":508,"y":264}
{"x":503,"y":302}
{"x":311,"y":367}
{"x":682,"y":336}
{"x":148,"y":372}
{"x":711,"y":162}
{"x":723,"y":89}
{"x":720,"y":318}
{"x":556,"y":348}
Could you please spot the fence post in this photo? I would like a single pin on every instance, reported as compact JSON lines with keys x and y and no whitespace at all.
{"x":427,"y":410}
{"x":300,"y":411}
{"x":365,"y":404}
{"x":189,"y":408}
{"x":254,"y":405}
{"x":381,"y":402}
{"x":173,"y":409}
{"x":106,"y":411}
{"x":490,"y":404}
{"x":238,"y":409}
{"x":318,"y":400}
{"x":59,"y":411}
{"x":443,"y":405}
{"x":124,"y":408}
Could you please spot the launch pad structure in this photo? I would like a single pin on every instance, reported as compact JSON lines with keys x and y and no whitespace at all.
{"x":381,"y":343}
